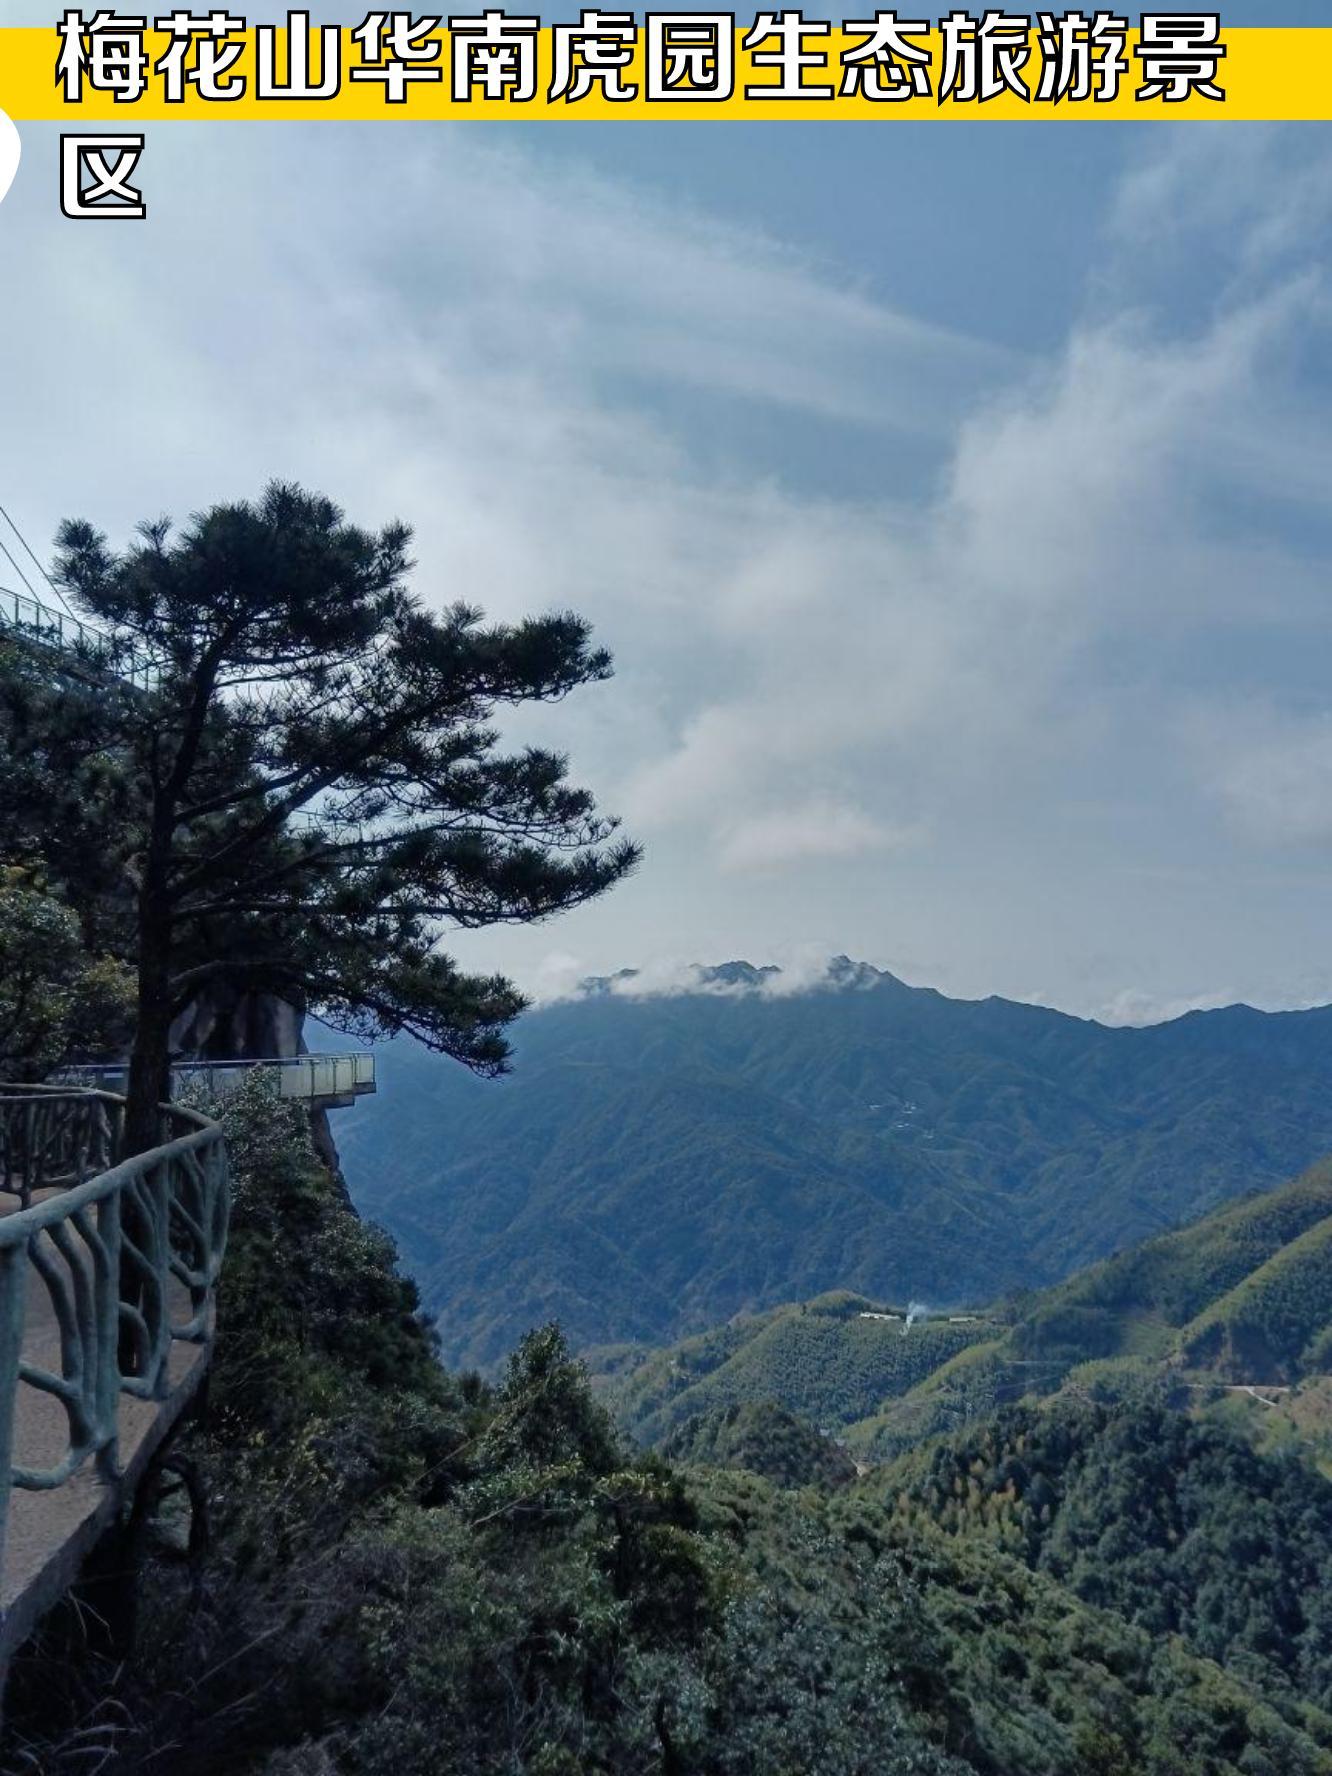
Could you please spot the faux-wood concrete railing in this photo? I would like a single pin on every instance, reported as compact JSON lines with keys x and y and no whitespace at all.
{"x":128,"y":1258}
{"x":50,"y":1139}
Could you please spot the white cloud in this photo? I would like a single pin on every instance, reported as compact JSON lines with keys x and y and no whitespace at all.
{"x":1135,"y":1008}
{"x":778,"y":650}
{"x":1277,"y":787}
{"x":479,"y":354}
{"x":788,"y":972}
{"x":526,"y":360}
{"x":1259,"y":193}
{"x":811,"y":831}
{"x":916,"y":657}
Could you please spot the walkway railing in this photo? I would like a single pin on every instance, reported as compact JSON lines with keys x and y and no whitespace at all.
{"x":51,"y":1140}
{"x":308,"y":1077}
{"x":48,"y":627}
{"x":120,"y":1266}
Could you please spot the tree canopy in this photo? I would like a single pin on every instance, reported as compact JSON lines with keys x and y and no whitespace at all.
{"x":303,"y":778}
{"x":55,"y":999}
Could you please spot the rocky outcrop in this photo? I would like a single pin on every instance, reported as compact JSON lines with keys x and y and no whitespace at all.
{"x":227,"y":1024}
{"x":224,"y":1024}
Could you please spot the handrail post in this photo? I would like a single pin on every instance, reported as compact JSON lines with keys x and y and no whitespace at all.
{"x":13,"y":1297}
{"x":106,"y":1285}
{"x":157,"y":1187}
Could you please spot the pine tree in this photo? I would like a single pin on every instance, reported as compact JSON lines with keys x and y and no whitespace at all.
{"x":307,"y":786}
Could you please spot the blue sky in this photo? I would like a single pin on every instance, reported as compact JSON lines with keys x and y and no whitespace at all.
{"x":954,"y":499}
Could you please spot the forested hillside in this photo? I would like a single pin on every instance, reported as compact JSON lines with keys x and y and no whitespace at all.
{"x":411,"y":1571}
{"x":1177,"y":1525}
{"x":835,"y":1360}
{"x":763,"y":1439}
{"x":656,"y":1165}
{"x":1242,"y":1298}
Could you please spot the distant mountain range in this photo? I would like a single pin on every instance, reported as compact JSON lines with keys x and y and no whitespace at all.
{"x":1240,"y":1303}
{"x":657,"y":1164}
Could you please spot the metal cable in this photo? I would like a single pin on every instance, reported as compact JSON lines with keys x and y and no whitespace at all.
{"x":33,"y":558}
{"x":19,"y":571}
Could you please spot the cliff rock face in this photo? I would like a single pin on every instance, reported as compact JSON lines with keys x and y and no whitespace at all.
{"x":226,"y":1024}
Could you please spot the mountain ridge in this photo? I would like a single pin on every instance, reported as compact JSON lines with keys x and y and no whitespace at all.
{"x":658,"y":1163}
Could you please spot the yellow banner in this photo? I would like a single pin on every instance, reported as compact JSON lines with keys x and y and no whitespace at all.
{"x":667,"y":66}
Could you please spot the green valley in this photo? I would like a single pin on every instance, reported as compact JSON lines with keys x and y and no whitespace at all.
{"x":1234,"y":1313}
{"x":657,"y":1165}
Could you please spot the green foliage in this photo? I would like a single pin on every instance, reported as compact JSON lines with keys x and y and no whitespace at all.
{"x":1242,"y":1297}
{"x":880,"y":1138}
{"x":1273,"y":1325}
{"x":406,"y":1565}
{"x":1177,"y":1526}
{"x":293,"y":674}
{"x":764,"y":1438}
{"x":325,"y":1392}
{"x":825,"y":1359}
{"x":69,"y":809}
{"x":995,"y":1668}
{"x":412,"y":1573}
{"x":544,"y":1415}
{"x":57,"y":1003}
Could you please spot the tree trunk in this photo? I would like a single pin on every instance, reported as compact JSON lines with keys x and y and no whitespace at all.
{"x":150,"y":1058}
